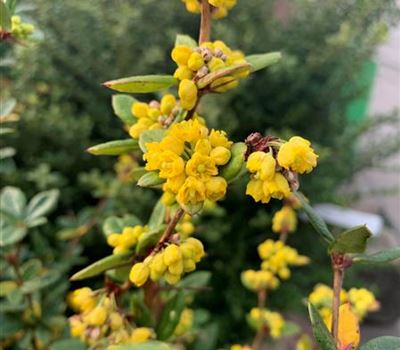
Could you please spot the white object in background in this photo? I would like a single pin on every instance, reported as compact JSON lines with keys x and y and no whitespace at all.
{"x":347,"y":218}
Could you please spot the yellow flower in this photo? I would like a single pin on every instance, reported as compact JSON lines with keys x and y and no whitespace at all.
{"x":82,"y":299}
{"x":168,"y":102}
{"x":297,"y":155}
{"x":141,"y":334}
{"x":174,"y":184}
{"x":143,"y":124}
{"x":77,"y":327}
{"x":277,"y":188}
{"x":257,"y":280}
{"x":203,"y":146}
{"x":173,"y":144}
{"x":254,"y":161}
{"x":362,"y":301}
{"x":220,"y":155}
{"x":181,"y":54}
{"x":185,"y":322}
{"x":96,"y":317}
{"x":201,"y":166}
{"x":255,"y":189}
{"x":197,"y":247}
{"x":116,"y":321}
{"x":284,"y":220}
{"x":216,"y":188}
{"x":183,"y":72}
{"x":139,"y":274}
{"x":219,"y":138}
{"x":192,"y":191}
{"x":195,"y":61}
{"x":171,"y":278}
{"x":171,"y":165}
{"x":172,"y":255}
{"x":187,"y":93}
{"x":140,"y":109}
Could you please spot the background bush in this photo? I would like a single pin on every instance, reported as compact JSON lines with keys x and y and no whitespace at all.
{"x":64,"y":110}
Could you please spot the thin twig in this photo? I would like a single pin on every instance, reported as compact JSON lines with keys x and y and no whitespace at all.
{"x":205,"y":22}
{"x":258,"y":339}
{"x":338,"y":276}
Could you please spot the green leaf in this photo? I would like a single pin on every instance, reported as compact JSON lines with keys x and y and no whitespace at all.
{"x":290,"y":329}
{"x":150,"y":179}
{"x":114,"y":148}
{"x":151,"y":345}
{"x":351,"y":241}
{"x":119,"y":275}
{"x":31,"y":269}
{"x":68,"y":344}
{"x":148,"y":136}
{"x":137,"y":173}
{"x":185,"y":40}
{"x":6,"y":152}
{"x":40,"y":282}
{"x":382,"y":257}
{"x":5,"y":17}
{"x":321,"y":333}
{"x":157,"y":216}
{"x":122,"y":105}
{"x":41,"y":204}
{"x":233,"y":167}
{"x":208,"y":337}
{"x":6,"y":287}
{"x":98,"y":267}
{"x":316,"y":221}
{"x":11,"y":233}
{"x":36,"y":222}
{"x":149,"y":239}
{"x":220,"y":73}
{"x":112,"y":224}
{"x":170,"y":316}
{"x":193,"y":209}
{"x":11,"y":4}
{"x":5,"y":131}
{"x":10,"y":325}
{"x":142,"y":84}
{"x":143,"y":315}
{"x":263,"y":60}
{"x":382,"y":343}
{"x":13,"y":201}
{"x":196,"y":279}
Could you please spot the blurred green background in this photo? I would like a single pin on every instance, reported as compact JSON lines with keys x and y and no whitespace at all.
{"x":64,"y":110}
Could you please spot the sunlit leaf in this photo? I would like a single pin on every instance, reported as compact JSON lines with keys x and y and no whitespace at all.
{"x":13,"y":201}
{"x":385,"y":256}
{"x":122,"y":105}
{"x":185,"y":40}
{"x":114,"y":148}
{"x":263,"y":60}
{"x":150,"y":179}
{"x":142,"y":84}
{"x":351,"y":241}
{"x":41,"y":204}
{"x":148,"y":136}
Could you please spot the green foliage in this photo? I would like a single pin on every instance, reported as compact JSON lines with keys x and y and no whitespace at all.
{"x":387,"y":343}
{"x":142,"y":84}
{"x":321,"y":333}
{"x":351,"y":241}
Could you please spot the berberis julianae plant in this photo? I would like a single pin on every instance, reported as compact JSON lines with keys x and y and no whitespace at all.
{"x":149,"y":278}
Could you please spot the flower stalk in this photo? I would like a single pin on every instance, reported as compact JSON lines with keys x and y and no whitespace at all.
{"x":205,"y":22}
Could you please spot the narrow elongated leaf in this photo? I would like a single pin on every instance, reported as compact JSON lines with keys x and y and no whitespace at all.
{"x":316,"y":221}
{"x":171,"y":316}
{"x":102,"y":265}
{"x":112,"y":224}
{"x":13,"y":201}
{"x":6,"y":152}
{"x":185,"y":40}
{"x":114,"y":148}
{"x":137,"y":173}
{"x":352,"y":241}
{"x":383,"y":343}
{"x":149,"y":239}
{"x":5,"y":17}
{"x":122,"y":105}
{"x":382,"y":257}
{"x":150,"y":136}
{"x":157,"y":216}
{"x":11,"y":233}
{"x":142,"y":84}
{"x":263,"y":60}
{"x":150,"y":179}
{"x":223,"y":72}
{"x":41,"y":204}
{"x":11,"y":4}
{"x":321,"y":333}
{"x":196,"y":279}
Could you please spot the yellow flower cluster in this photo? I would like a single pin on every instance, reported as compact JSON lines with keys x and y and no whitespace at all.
{"x":257,"y":280}
{"x":220,"y":7}
{"x":196,"y":63}
{"x":19,"y":29}
{"x":153,"y":115}
{"x":185,"y":322}
{"x":277,"y":257}
{"x":185,"y":227}
{"x":189,"y":157}
{"x":269,"y":178}
{"x":98,"y":318}
{"x":284,"y":220}
{"x":127,"y":239}
{"x":361,"y":301}
{"x":124,"y":166}
{"x":273,"y":320}
{"x":170,"y":263}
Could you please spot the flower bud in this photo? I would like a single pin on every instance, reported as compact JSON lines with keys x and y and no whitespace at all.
{"x":188,"y":94}
{"x":220,"y":155}
{"x":172,"y":254}
{"x":139,"y":274}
